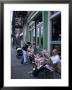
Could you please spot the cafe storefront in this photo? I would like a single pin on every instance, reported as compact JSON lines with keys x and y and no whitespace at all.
{"x":44,"y":29}
{"x":54,"y":32}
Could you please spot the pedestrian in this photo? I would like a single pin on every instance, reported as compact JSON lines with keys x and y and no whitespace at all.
{"x":24,"y":56}
{"x":28,"y":43}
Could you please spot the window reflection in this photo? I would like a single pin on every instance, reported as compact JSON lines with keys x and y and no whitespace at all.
{"x":56,"y":28}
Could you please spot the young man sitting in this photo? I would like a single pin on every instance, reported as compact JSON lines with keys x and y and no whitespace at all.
{"x":53,"y":62}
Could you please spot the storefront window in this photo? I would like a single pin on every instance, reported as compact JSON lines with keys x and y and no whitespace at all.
{"x":56,"y":28}
{"x":29,"y":36}
{"x":37,"y":37}
{"x":33,"y":33}
{"x":56,"y":33}
{"x":41,"y":36}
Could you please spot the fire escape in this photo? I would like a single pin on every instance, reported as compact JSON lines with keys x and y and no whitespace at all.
{"x":18,"y":20}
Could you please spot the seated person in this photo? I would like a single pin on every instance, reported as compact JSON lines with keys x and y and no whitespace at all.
{"x":30,"y":52}
{"x":55,"y":57}
{"x":54,"y":60}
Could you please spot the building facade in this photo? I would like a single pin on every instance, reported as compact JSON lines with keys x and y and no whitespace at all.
{"x":40,"y":27}
{"x":44,"y":29}
{"x":17,"y":27}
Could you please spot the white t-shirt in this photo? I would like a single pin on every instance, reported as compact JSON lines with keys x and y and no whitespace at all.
{"x":55,"y":59}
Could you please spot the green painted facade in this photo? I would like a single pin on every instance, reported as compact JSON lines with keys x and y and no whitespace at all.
{"x":45,"y":29}
{"x":39,"y":37}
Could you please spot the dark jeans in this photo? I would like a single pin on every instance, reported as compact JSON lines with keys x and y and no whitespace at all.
{"x":43,"y":73}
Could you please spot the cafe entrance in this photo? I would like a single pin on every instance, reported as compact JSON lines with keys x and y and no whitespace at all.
{"x":56,"y":32}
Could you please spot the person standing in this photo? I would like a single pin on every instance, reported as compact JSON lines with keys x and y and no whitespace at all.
{"x":24,"y":56}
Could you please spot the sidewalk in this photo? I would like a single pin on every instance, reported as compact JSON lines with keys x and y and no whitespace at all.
{"x":24,"y":71}
{"x":18,"y":70}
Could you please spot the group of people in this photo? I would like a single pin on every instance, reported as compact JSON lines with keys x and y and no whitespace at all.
{"x":48,"y":63}
{"x":46,"y":59}
{"x":28,"y":53}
